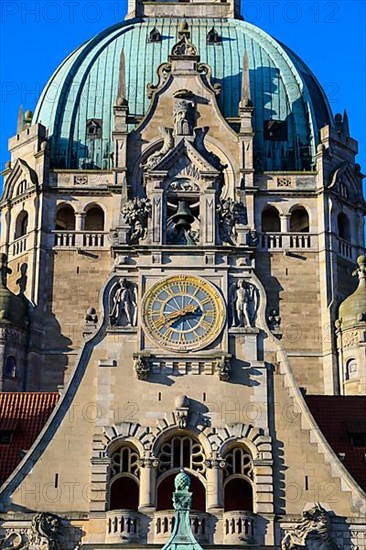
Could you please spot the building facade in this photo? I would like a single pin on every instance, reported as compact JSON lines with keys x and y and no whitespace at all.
{"x":181,"y":219}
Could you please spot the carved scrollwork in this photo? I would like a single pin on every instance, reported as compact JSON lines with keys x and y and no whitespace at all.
{"x":168,"y":144}
{"x":184,"y":48}
{"x":164,"y":71}
{"x":46,"y":533}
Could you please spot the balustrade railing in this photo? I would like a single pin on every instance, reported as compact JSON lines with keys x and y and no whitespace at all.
{"x":345,"y":248}
{"x":290,"y":241}
{"x":87,"y":239}
{"x":123,"y":526}
{"x":19,"y":246}
{"x":238,"y":527}
{"x":164,"y":525}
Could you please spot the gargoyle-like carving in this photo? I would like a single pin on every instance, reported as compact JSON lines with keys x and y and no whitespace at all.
{"x":124,"y":304}
{"x":168,"y":144}
{"x":312,"y":531}
{"x":274,"y":319}
{"x":142,"y":367}
{"x":230,"y":213}
{"x":136,"y":213}
{"x":243,"y":298}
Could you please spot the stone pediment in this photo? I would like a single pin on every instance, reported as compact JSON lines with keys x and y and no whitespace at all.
{"x":19,"y":172}
{"x":182,"y":158}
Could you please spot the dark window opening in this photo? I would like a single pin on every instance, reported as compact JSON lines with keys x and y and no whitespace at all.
{"x":65,"y":219}
{"x":94,"y":219}
{"x":94,"y":128}
{"x":21,"y":226}
{"x":10,"y":367}
{"x":275,"y":130}
{"x":358,"y":440}
{"x":344,"y":230}
{"x":213,"y":37}
{"x":124,"y":494}
{"x":299,"y":221}
{"x":238,"y":495}
{"x":154,"y":35}
{"x":271,"y":220}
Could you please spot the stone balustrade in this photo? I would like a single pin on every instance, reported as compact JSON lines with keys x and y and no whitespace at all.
{"x":80,"y":239}
{"x":18,"y":246}
{"x":164,"y":525}
{"x":238,"y":527}
{"x":345,"y":249}
{"x":288,"y":241}
{"x":123,"y":526}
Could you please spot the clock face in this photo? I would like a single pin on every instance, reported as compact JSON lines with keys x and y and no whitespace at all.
{"x":183,"y":313}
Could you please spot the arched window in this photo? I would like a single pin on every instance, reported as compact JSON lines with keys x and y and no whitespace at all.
{"x":94,"y":219}
{"x":10,"y":367}
{"x":165,"y":493}
{"x":238,"y":480}
{"x":182,"y":452}
{"x":271,"y":220}
{"x":351,"y":369}
{"x":124,"y":479}
{"x":344,"y":230}
{"x":21,"y":225}
{"x":65,"y":218}
{"x":299,"y":220}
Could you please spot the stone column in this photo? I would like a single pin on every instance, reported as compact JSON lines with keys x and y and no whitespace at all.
{"x":148,"y":466}
{"x":208,"y":217}
{"x":215,"y":476}
{"x":285,"y":223}
{"x":79,"y":221}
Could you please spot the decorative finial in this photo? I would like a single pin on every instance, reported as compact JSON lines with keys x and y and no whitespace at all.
{"x":20,"y":121}
{"x":121,"y":96}
{"x":361,"y":271}
{"x":345,"y":123}
{"x":184,"y":29}
{"x":245,"y":84}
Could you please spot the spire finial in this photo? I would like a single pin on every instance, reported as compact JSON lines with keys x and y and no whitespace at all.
{"x":121,"y":96}
{"x":20,"y":121}
{"x":245,"y":83}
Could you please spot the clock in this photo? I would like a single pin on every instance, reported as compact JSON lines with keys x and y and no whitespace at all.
{"x":183,"y":313}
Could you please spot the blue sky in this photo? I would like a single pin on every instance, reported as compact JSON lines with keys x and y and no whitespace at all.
{"x":329,"y":36}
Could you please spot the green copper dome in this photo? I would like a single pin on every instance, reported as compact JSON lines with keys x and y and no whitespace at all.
{"x":290,"y":106}
{"x":352,"y":311}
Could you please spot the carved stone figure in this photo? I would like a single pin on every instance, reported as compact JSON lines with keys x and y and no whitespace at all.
{"x":274,"y":319}
{"x":312,"y":531}
{"x":244,"y":303}
{"x":223,"y":368}
{"x":168,"y":144}
{"x":183,"y":117}
{"x":142,"y":367}
{"x":182,"y":407}
{"x":136,"y":212}
{"x":124,"y":302}
{"x":230,"y":213}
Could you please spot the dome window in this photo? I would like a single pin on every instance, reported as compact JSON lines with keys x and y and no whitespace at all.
{"x":11,"y":367}
{"x":275,"y":130}
{"x":213,"y":37}
{"x":94,"y":128}
{"x":351,"y":369}
{"x":154,"y":35}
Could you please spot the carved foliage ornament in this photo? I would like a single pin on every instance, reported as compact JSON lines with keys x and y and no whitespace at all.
{"x":311,"y":531}
{"x":230,"y":213}
{"x":184,"y":48}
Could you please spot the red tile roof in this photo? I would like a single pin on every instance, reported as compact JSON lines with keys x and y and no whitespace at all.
{"x":24,"y":414}
{"x":338,"y":418}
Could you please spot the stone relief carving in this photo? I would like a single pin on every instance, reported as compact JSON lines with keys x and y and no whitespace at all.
{"x":230,"y":213}
{"x":124,"y":304}
{"x":284,"y":182}
{"x":351,"y":339}
{"x":243,"y":299}
{"x":168,"y":144}
{"x":183,"y":185}
{"x":80,"y":180}
{"x":184,"y":115}
{"x":136,"y":213}
{"x":46,"y":533}
{"x":184,"y":48}
{"x":312,"y":531}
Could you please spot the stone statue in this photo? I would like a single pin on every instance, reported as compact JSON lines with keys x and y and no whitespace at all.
{"x":244,"y":303}
{"x":230,"y":213}
{"x":124,"y":302}
{"x":182,"y":407}
{"x":312,"y":531}
{"x":142,"y":367}
{"x":136,"y":212}
{"x":184,"y":117}
{"x":223,"y":368}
